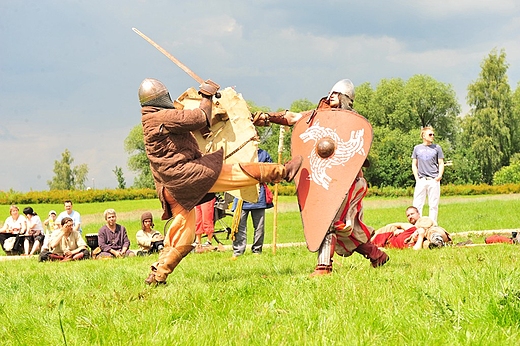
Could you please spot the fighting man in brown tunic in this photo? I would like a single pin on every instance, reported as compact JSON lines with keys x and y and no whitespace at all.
{"x":183,"y":176}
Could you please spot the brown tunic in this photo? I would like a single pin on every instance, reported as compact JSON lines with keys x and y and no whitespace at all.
{"x":175,"y":158}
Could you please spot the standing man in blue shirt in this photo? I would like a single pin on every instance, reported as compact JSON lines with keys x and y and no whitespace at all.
{"x":428,"y":168}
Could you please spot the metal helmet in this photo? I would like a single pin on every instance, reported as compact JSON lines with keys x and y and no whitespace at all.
{"x":151,"y":89}
{"x":345,"y":87}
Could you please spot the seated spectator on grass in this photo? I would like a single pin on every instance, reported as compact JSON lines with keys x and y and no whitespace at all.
{"x":148,"y":239}
{"x":50,"y":224}
{"x":112,"y":238}
{"x":14,"y":226}
{"x":419,"y":233}
{"x":65,"y":244}
{"x":34,"y":234}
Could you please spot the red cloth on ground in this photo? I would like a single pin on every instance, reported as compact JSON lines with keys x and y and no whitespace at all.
{"x":381,"y":239}
{"x":390,"y":240}
{"x":498,"y":239}
{"x":398,"y":241}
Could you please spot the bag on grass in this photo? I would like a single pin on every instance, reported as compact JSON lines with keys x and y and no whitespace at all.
{"x":9,"y":243}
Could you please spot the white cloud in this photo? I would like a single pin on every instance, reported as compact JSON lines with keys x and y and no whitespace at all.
{"x":70,"y":70}
{"x":453,"y":8}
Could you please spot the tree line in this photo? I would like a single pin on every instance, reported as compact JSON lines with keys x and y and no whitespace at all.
{"x":482,"y":146}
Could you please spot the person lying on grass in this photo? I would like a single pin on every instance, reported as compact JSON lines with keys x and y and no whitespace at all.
{"x":419,"y":233}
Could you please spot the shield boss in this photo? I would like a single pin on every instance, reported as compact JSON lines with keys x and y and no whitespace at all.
{"x":325,"y":147}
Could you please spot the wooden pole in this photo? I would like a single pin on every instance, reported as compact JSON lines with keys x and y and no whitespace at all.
{"x":275,"y":197}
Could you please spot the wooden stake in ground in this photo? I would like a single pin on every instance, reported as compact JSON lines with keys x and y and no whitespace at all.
{"x":275,"y":197}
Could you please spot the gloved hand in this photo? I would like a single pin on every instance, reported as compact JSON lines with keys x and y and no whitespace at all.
{"x":208,"y":88}
{"x":260,"y":119}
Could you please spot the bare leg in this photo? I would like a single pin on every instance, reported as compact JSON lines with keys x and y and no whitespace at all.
{"x":26,"y":246}
{"x":36,"y":247}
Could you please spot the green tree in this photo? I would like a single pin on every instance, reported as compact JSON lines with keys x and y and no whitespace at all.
{"x":433,"y":104}
{"x":269,"y":136}
{"x":515,"y":121}
{"x":363,"y":99}
{"x":121,"y":183}
{"x":379,"y":106}
{"x":507,"y":175}
{"x":390,"y":158}
{"x":67,"y":177}
{"x":302,"y":105}
{"x":488,"y":127}
{"x":420,"y":101}
{"x":138,"y":161}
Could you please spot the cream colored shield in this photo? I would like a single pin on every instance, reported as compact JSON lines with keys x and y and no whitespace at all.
{"x":237,"y":135}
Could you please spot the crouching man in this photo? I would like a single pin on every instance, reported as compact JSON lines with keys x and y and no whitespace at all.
{"x":65,"y":244}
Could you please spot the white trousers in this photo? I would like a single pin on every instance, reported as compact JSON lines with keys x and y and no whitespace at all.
{"x":430,"y":188}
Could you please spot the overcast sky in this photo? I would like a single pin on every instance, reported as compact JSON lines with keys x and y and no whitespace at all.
{"x":70,"y":70}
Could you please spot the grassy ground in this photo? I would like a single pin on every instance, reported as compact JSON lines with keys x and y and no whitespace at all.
{"x":454,"y":296}
{"x":457,"y":214}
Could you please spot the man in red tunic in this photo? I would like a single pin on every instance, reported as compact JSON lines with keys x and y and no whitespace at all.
{"x":347,"y":233}
{"x":419,"y":233}
{"x":183,"y":176}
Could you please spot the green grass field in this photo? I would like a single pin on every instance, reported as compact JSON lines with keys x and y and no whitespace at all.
{"x":450,"y":296}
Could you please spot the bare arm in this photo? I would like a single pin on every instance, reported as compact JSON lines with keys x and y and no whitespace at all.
{"x":57,"y":240}
{"x":414,"y":169}
{"x":420,"y":239}
{"x":23,"y":226}
{"x":441,"y":170}
{"x":292,"y":117}
{"x":75,"y":251}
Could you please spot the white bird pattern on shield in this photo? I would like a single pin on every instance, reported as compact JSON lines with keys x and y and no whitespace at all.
{"x":344,"y":151}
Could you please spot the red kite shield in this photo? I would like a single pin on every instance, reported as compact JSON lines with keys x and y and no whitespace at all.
{"x":334,"y":143}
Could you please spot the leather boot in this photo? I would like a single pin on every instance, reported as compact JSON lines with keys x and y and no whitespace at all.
{"x":322,"y":269}
{"x":325,"y":254}
{"x":272,"y":172}
{"x":370,"y":251}
{"x":168,"y":260}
